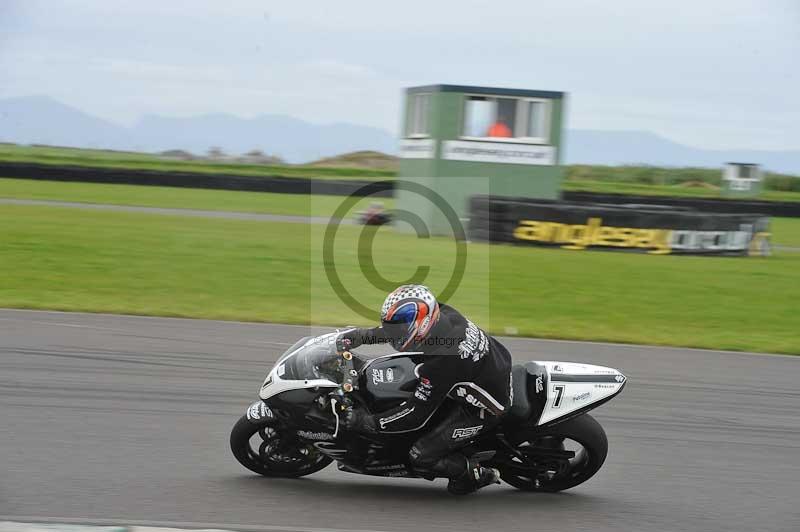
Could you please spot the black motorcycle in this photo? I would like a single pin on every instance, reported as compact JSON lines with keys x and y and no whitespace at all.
{"x":545,"y":442}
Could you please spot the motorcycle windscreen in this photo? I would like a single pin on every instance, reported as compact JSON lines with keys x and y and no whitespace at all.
{"x":315,"y":363}
{"x":316,"y":360}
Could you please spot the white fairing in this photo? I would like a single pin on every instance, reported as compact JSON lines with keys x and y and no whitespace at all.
{"x":274,"y":384}
{"x":572,"y":386}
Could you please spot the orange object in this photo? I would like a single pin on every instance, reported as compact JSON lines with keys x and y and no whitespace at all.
{"x":499,"y":129}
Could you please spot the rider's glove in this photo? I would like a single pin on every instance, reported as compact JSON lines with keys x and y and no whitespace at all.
{"x":346,"y":341}
{"x":359,"y":420}
{"x":343,"y":344}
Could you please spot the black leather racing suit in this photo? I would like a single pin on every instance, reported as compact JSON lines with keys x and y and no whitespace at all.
{"x":463,"y":363}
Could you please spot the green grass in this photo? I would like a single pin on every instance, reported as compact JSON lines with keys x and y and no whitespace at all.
{"x":786,"y":231}
{"x":179,"y":198}
{"x":144,"y":161}
{"x":71,"y":259}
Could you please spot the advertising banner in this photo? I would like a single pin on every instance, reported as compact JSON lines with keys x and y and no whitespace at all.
{"x":650,"y":229}
{"x":417,"y":148}
{"x":498,"y":152}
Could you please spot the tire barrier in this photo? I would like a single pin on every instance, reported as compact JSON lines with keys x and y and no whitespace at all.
{"x":658,"y":230}
{"x":281,"y":185}
{"x":772,"y":208}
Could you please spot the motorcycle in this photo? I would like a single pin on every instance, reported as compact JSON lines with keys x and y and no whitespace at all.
{"x":545,"y":442}
{"x":374,"y":218}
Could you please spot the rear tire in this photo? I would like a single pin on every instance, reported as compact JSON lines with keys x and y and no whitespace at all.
{"x":584,"y":430}
{"x":306,"y":460}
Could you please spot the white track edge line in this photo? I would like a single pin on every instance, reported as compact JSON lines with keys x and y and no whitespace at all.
{"x":191,"y":525}
{"x":331,"y":327}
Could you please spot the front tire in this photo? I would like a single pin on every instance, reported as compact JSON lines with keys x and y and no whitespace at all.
{"x":542,"y":463}
{"x":268,"y":459}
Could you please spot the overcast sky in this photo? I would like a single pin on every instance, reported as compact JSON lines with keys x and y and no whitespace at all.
{"x":708,"y":73}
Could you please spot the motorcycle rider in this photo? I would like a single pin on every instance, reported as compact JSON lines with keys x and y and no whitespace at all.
{"x":462,"y":362}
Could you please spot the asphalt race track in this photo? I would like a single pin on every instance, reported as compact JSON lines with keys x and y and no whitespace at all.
{"x":193,"y":213}
{"x":126,"y":419}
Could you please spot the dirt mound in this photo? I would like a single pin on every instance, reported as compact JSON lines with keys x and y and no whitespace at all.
{"x":360,"y":159}
{"x":698,"y":184}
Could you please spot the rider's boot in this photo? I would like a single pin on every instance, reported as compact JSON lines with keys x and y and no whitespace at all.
{"x":473,"y":479}
{"x":466,"y":475}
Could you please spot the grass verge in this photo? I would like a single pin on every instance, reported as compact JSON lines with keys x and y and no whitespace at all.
{"x":144,"y":161}
{"x":786,"y":231}
{"x":70,"y":259}
{"x":178,"y":198}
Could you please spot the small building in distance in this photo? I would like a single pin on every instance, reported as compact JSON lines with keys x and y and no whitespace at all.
{"x":742,"y":180}
{"x":460,"y":141}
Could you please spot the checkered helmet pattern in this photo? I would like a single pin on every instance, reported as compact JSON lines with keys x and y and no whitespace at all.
{"x":419,"y":306}
{"x":407,"y":291}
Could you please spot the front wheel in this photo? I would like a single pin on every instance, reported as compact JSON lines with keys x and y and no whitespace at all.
{"x":556,"y":458}
{"x":264,"y":450}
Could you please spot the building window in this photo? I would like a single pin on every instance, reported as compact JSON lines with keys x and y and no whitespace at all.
{"x":417,"y":118}
{"x":536,"y":120}
{"x":520,"y":119}
{"x":745,"y":172}
{"x":478,"y":116}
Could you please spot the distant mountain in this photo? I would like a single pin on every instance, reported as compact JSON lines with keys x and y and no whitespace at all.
{"x":42,"y":120}
{"x":643,"y":147}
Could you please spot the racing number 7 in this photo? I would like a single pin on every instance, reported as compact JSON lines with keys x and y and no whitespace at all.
{"x":559,"y":391}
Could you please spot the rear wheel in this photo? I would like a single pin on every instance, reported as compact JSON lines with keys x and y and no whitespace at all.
{"x":556,"y":458}
{"x":264,"y":450}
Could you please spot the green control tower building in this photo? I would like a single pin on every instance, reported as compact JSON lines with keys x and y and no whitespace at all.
{"x":459,"y":141}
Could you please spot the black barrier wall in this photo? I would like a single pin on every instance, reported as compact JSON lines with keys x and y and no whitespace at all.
{"x":286,"y":185}
{"x":770,"y":208}
{"x":639,"y":228}
{"x":282,"y":185}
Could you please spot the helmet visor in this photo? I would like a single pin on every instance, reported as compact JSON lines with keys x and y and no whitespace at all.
{"x":399,"y":325}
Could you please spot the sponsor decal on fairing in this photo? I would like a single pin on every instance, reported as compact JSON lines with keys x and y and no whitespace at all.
{"x":314,"y":435}
{"x":582,"y":396}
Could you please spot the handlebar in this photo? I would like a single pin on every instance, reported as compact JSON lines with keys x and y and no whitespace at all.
{"x":341,"y":400}
{"x":349,"y":381}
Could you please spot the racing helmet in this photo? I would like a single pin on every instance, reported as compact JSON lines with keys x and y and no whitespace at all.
{"x":408,"y":315}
